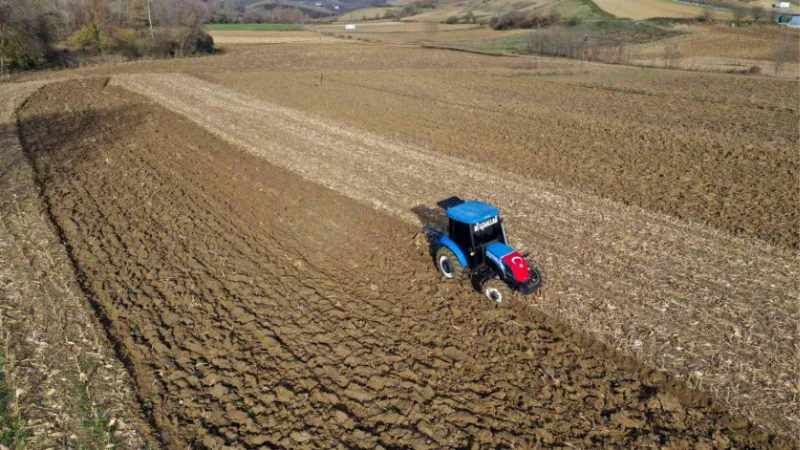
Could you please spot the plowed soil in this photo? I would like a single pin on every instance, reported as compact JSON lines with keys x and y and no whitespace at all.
{"x":255,"y":308}
{"x":682,"y":297}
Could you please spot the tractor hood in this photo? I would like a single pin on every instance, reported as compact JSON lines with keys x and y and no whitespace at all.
{"x":509,"y":260}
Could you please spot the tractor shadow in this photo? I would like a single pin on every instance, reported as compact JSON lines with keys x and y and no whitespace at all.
{"x":435,"y":217}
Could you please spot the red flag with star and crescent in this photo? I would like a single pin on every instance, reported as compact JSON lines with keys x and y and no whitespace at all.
{"x":518,"y":266}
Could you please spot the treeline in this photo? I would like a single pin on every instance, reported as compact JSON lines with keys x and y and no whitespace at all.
{"x":223,"y":12}
{"x":64,"y":33}
{"x":519,"y":19}
{"x":278,"y":15}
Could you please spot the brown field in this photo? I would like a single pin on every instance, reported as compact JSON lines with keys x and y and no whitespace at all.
{"x":225,"y":37}
{"x":251,"y":235}
{"x":409,"y":32}
{"x":645,"y":9}
{"x":722,"y":48}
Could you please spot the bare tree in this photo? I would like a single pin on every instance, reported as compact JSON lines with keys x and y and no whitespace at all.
{"x":783,"y":49}
{"x":738,"y":15}
{"x":708,"y":14}
{"x":470,"y":17}
{"x":150,"y":20}
{"x":256,"y":15}
{"x":672,"y":55}
{"x":431,"y":30}
{"x":757,"y":13}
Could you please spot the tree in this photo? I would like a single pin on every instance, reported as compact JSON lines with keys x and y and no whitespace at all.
{"x":431,"y":30}
{"x":99,"y":13}
{"x":256,"y":15}
{"x":708,"y":14}
{"x":470,"y":17}
{"x":757,"y":13}
{"x":150,"y":20}
{"x":190,"y":15}
{"x":27,"y":33}
{"x":137,"y":13}
{"x":738,"y":15}
{"x":672,"y":55}
{"x":783,"y":50}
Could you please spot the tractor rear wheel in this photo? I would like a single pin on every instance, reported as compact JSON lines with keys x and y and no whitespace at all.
{"x":497,"y":291}
{"x":448,"y":264}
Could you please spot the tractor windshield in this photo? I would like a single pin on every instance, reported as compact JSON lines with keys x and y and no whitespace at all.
{"x":488,"y":231}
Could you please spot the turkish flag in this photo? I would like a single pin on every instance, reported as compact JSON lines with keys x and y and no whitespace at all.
{"x":518,"y":266}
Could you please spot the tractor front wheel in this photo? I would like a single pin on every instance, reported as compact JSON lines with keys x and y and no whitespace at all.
{"x":448,"y":264}
{"x":497,"y":291}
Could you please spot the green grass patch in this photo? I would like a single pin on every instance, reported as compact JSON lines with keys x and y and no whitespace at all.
{"x":97,"y":430}
{"x":253,"y":27}
{"x":628,"y":31}
{"x":511,"y":44}
{"x":366,"y":14}
{"x":13,"y":433}
{"x":577,"y":9}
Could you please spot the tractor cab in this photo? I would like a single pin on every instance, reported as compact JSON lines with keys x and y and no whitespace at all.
{"x":473,"y":226}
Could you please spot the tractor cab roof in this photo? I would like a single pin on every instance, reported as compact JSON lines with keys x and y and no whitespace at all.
{"x":472,"y":212}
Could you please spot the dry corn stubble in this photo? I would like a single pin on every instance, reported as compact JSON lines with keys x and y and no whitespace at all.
{"x":67,"y":387}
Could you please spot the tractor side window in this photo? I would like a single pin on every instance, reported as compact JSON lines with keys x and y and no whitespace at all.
{"x":460,"y":233}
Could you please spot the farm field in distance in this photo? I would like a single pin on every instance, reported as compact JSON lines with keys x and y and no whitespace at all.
{"x":248,"y":226}
{"x":253,"y":27}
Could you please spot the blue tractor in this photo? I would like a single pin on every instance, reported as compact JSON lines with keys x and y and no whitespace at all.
{"x":475,"y":247}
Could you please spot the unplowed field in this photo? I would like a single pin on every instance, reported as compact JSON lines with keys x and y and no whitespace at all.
{"x":255,"y":308}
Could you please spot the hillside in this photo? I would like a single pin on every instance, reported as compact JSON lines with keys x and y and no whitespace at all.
{"x":485,"y":10}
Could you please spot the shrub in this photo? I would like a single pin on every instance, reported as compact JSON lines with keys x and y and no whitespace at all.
{"x":755,"y":69}
{"x":470,"y":17}
{"x":708,"y":14}
{"x":757,"y":13}
{"x":517,"y":19}
{"x":672,"y":55}
{"x":124,"y":41}
{"x":738,"y":15}
{"x":27,"y":34}
{"x":408,"y":10}
{"x":88,"y":36}
{"x":554,"y":18}
{"x":452,"y":20}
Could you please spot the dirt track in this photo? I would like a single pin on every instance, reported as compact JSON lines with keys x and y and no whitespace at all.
{"x":256,"y":308}
{"x":616,"y":270}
